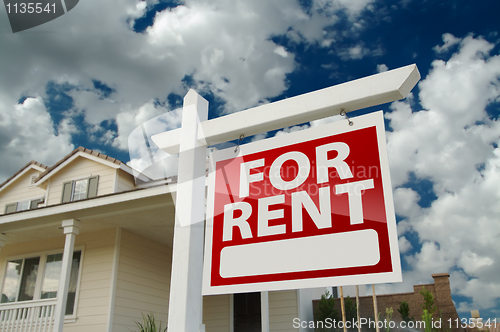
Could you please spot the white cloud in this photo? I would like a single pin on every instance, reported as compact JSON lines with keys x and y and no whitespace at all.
{"x":259,"y":137}
{"x":355,"y":52}
{"x":453,"y":143}
{"x":449,"y":41}
{"x":224,"y":46}
{"x":382,"y":67}
{"x":406,"y":202}
{"x":404,"y":245}
{"x":360,"y":51}
{"x":352,"y":8}
{"x":280,"y":50}
{"x":155,"y":119}
{"x":292,"y":129}
{"x":26,"y":130}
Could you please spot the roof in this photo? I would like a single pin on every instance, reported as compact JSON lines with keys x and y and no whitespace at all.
{"x":23,"y":169}
{"x":75,"y":151}
{"x":47,"y":172}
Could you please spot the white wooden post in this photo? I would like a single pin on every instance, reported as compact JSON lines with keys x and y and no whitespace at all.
{"x":264,"y":311}
{"x":375,"y":309}
{"x":357,"y":307}
{"x":186,"y":301}
{"x":342,"y":306}
{"x":71,"y":229}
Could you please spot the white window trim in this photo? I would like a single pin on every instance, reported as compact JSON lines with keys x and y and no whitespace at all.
{"x":82,"y":177}
{"x":73,"y":189}
{"x":72,"y":318}
{"x":47,"y":191}
{"x":41,"y":270}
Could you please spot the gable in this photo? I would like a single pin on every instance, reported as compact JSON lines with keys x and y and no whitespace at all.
{"x":80,"y":168}
{"x":20,"y":189}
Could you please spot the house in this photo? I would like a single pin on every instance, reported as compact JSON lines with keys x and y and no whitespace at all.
{"x":88,"y":228}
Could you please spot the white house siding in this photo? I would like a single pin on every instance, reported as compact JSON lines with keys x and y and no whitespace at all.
{"x":125,"y":181}
{"x":216,"y":313}
{"x":92,"y":310}
{"x":20,"y":190}
{"x":93,"y":298}
{"x":282,"y":310}
{"x":143,"y":281}
{"x":81,"y":168}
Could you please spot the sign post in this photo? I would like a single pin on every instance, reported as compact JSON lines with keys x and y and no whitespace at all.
{"x":187,"y":263}
{"x":185,"y":303}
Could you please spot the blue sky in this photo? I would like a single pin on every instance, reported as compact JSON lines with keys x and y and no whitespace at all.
{"x":93,"y":75}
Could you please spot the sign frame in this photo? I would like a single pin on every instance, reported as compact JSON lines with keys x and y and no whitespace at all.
{"x":374,"y":119}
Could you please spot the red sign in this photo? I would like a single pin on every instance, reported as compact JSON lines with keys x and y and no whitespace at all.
{"x":308,"y":209}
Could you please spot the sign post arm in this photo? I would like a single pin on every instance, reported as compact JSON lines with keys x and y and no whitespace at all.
{"x":186,"y":301}
{"x":361,"y":93}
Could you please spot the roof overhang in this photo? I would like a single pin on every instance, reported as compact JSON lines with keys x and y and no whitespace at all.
{"x":70,"y":159}
{"x":149,"y":212}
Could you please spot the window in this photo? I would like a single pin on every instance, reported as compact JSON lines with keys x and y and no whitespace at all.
{"x":21,"y":206}
{"x":29,"y":204}
{"x":37,"y":277}
{"x":80,"y":189}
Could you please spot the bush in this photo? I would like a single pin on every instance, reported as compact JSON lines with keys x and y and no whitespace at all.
{"x":149,"y":324}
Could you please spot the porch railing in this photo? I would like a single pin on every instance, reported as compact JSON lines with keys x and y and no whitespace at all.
{"x":28,"y":316}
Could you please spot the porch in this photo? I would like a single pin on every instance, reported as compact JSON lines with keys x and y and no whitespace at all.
{"x":124,"y":239}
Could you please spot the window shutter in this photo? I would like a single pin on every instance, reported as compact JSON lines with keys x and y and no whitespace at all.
{"x":34,"y":204}
{"x":67,"y":191}
{"x":92,"y":186}
{"x":9,"y":208}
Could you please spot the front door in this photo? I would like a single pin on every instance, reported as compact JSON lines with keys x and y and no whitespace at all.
{"x":247,"y":315}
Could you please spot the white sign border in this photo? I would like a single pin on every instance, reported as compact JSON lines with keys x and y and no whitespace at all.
{"x":339,"y":127}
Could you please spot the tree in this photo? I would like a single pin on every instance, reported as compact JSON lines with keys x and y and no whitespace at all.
{"x":350,"y":309}
{"x":388,"y":315}
{"x":404,"y":311}
{"x":429,"y":301}
{"x":427,"y":318}
{"x":326,"y":309}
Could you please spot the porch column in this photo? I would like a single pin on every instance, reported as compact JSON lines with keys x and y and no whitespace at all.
{"x":71,"y":229}
{"x":264,"y":311}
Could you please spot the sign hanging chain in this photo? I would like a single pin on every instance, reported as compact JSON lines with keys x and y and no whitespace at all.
{"x":239,"y":141}
{"x":343,"y":113}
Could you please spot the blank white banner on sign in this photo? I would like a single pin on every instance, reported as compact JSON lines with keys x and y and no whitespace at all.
{"x":339,"y":250}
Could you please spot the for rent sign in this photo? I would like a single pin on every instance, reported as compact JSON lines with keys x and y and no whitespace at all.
{"x":308,"y":209}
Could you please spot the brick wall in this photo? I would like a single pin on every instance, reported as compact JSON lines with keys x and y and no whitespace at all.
{"x":442,"y":300}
